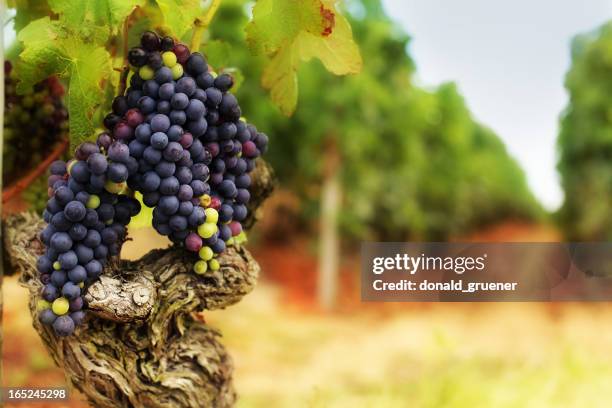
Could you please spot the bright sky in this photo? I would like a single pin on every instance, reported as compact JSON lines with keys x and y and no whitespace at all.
{"x":509,"y":59}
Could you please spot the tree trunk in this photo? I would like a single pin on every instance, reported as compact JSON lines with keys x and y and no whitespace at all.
{"x":143,"y":343}
{"x":329,"y":247}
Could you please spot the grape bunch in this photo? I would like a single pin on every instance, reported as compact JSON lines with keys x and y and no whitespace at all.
{"x":194,"y":151}
{"x":87,"y":221}
{"x":177,"y":137}
{"x":33,"y":123}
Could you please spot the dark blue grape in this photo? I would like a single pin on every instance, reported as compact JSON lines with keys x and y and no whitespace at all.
{"x":50,"y":293}
{"x":47,"y":316}
{"x":94,"y":268}
{"x":58,"y":168}
{"x":143,"y":133}
{"x":166,"y":91}
{"x":240,"y":212}
{"x":146,"y":104}
{"x":213,"y":97}
{"x":185,"y":193}
{"x":136,"y":149}
{"x":224,"y":82}
{"x":150,"y":199}
{"x":159,"y":140}
{"x":185,"y":207}
{"x":160,"y":123}
{"x":78,"y":274}
{"x":197,"y":127}
{"x":198,"y":187}
{"x":178,"y":117}
{"x":109,"y":236}
{"x":196,"y":64}
{"x":80,"y":172}
{"x":117,"y":172}
{"x":92,"y":239}
{"x":164,"y":107}
{"x":225,"y":213}
{"x":173,"y":152}
{"x":195,"y":110}
{"x":168,"y":205}
{"x":243,"y":181}
{"x":61,"y":242}
{"x":200,"y":95}
{"x":67,"y":260}
{"x":165,"y":169}
{"x":58,"y":278}
{"x":64,"y":195}
{"x":119,"y":152}
{"x":151,"y":88}
{"x":178,"y":223}
{"x":184,"y":175}
{"x":75,"y":304}
{"x":169,"y":186}
{"x":163,"y":75}
{"x":77,"y":317}
{"x":84,"y":254}
{"x":152,"y":155}
{"x":63,"y":326}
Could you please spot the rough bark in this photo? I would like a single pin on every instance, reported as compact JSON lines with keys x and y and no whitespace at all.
{"x":143,"y":343}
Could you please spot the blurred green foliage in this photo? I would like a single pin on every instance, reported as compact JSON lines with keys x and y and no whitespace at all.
{"x":585,"y":140}
{"x":415,"y":164}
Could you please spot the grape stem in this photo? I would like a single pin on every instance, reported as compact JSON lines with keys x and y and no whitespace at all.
{"x":28,"y":179}
{"x":200,"y":25}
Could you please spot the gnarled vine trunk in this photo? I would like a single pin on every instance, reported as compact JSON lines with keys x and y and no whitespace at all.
{"x":143,"y":344}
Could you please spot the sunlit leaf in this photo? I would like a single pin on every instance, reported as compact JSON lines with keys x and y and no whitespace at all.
{"x":288,"y":32}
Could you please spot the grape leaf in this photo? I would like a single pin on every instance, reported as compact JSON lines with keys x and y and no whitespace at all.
{"x":89,"y":64}
{"x":109,"y":14}
{"x":289,"y":32}
{"x":179,"y":15}
{"x":28,"y":10}
{"x":49,"y":49}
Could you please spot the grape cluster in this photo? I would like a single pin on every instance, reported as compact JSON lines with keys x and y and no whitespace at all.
{"x":33,"y":123}
{"x":194,"y":151}
{"x":87,"y":221}
{"x":177,"y":137}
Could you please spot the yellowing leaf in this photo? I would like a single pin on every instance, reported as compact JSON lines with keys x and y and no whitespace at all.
{"x":288,"y":32}
{"x":338,"y":52}
{"x":279,"y":76}
{"x":179,"y":15}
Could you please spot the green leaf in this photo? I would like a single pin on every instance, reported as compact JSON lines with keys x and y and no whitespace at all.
{"x":89,"y":64}
{"x":49,"y":49}
{"x":218,"y":53}
{"x":107,"y":13}
{"x":179,"y":15}
{"x":28,"y":10}
{"x":309,"y":29}
{"x":41,"y":57}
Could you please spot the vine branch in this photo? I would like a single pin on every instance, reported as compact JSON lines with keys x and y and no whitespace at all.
{"x":200,"y":25}
{"x":29,"y":178}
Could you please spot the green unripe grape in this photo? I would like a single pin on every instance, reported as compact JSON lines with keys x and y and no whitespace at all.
{"x":206,"y":253}
{"x":114,"y":188}
{"x":146,"y":73}
{"x":212,"y":216}
{"x":42,"y":304}
{"x":207,"y":230}
{"x":57,"y":266}
{"x":177,"y":71}
{"x":93,"y":202}
{"x":169,"y":59}
{"x":60,"y":306}
{"x":200,"y":267}
{"x":213,"y":264}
